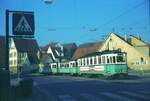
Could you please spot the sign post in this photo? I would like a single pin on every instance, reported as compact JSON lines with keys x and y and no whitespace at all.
{"x":23,"y":27}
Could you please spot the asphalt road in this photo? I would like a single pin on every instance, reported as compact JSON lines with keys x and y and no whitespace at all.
{"x":67,"y":88}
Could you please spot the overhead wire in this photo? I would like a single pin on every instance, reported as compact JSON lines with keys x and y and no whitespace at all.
{"x":124,"y":13}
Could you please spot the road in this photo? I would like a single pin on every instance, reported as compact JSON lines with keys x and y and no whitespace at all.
{"x":67,"y":88}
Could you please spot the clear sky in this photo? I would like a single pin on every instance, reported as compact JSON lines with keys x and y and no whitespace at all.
{"x":82,"y":21}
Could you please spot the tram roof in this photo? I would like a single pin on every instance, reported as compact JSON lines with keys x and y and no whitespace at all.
{"x":103,"y":52}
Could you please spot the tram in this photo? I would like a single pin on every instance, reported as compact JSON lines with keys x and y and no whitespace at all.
{"x":107,"y":63}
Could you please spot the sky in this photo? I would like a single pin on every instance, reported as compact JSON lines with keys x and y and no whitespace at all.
{"x":82,"y":21}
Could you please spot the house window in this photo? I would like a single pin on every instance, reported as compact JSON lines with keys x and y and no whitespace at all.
{"x":15,"y":62}
{"x":142,"y":61}
{"x":10,"y":62}
{"x":10,"y":55}
{"x":14,"y":54}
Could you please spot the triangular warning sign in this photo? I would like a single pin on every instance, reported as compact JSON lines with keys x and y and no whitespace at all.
{"x":23,"y":26}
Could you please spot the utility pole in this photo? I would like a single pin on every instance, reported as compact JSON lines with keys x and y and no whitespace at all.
{"x":7,"y":40}
{"x":149,"y":12}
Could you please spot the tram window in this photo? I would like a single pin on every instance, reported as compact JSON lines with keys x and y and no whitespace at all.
{"x":74,"y":65}
{"x":54,"y":66}
{"x":91,"y":61}
{"x":94,"y":60}
{"x":67,"y":65}
{"x":103,"y":59}
{"x":99,"y":60}
{"x":84,"y":62}
{"x":81,"y":62}
{"x":87,"y":61}
{"x":110,"y":59}
{"x":120,"y":59}
{"x":107,"y":59}
{"x":114,"y":59}
{"x":71,"y":64}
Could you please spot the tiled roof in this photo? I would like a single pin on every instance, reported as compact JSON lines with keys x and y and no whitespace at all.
{"x":69,"y":45}
{"x":2,"y":51}
{"x":69,"y":50}
{"x":85,"y":49}
{"x":33,"y":58}
{"x":26,"y":45}
{"x":139,"y":39}
{"x":44,"y":57}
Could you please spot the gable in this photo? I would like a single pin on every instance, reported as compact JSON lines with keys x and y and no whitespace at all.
{"x":113,"y":41}
{"x":137,"y":42}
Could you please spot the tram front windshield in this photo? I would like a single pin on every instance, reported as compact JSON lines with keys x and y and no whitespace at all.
{"x":121,"y":58}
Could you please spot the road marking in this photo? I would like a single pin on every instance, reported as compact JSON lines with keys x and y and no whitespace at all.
{"x":46,"y":94}
{"x":91,"y":97}
{"x":115,"y":96}
{"x":136,"y":95}
{"x":145,"y":92}
{"x":66,"y":97}
{"x":35,"y":83}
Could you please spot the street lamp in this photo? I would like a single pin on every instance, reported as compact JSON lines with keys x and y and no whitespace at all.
{"x":48,"y":1}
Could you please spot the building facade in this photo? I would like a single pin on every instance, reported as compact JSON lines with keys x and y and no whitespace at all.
{"x":23,"y":55}
{"x":138,"y":52}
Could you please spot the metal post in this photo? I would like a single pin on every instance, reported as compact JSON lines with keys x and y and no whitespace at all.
{"x":7,"y":40}
{"x":5,"y":90}
{"x":149,"y":11}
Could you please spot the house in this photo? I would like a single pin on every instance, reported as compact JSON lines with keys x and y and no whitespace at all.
{"x":138,"y":51}
{"x":87,"y":48}
{"x":24,"y":55}
{"x":2,"y":52}
{"x":55,"y":50}
{"x":69,"y":50}
{"x":45,"y":60}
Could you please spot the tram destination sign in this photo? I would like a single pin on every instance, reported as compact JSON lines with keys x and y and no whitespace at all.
{"x":23,"y":24}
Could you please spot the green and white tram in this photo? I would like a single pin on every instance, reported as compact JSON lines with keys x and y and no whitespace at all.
{"x":107,"y":63}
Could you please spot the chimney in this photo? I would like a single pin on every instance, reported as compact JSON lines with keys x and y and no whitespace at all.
{"x":126,"y":37}
{"x":138,"y":36}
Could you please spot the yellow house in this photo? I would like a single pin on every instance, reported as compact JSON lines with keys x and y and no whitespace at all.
{"x":138,"y":52}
